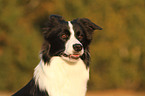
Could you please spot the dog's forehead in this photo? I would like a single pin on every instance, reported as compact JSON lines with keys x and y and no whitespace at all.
{"x":65,"y":25}
{"x":76,"y":26}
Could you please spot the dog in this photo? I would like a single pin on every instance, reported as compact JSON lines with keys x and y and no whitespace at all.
{"x":64,"y":66}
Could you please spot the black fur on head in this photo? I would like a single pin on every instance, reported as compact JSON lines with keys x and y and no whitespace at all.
{"x":56,"y":26}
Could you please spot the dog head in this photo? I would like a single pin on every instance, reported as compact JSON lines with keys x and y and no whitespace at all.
{"x":67,"y":39}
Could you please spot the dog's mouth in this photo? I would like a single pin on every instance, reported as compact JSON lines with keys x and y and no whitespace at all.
{"x":72,"y":56}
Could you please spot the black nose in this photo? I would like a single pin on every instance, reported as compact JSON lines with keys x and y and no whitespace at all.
{"x":77,"y":47}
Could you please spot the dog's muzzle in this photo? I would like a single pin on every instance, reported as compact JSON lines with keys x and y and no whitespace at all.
{"x":75,"y":53}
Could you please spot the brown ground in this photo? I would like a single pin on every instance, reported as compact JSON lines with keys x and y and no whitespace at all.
{"x":101,"y":93}
{"x":115,"y":93}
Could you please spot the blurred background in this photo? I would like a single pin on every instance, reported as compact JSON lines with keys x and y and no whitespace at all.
{"x":118,"y":51}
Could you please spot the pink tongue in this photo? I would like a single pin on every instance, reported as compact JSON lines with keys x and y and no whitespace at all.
{"x":75,"y":55}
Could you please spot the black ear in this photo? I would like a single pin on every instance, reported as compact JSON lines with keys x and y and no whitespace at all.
{"x":88,"y":24}
{"x":88,"y":27}
{"x":53,"y":21}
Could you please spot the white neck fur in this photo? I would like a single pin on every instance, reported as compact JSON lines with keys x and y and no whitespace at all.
{"x":62,"y":78}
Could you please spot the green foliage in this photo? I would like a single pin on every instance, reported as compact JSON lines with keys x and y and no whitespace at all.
{"x":118,"y":52}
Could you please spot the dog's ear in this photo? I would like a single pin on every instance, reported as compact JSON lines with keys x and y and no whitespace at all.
{"x":88,"y":24}
{"x":53,"y":21}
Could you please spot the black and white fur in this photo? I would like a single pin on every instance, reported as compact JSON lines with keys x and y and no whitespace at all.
{"x":64,"y":66}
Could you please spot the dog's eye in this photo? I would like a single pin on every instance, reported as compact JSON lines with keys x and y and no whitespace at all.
{"x":64,"y":36}
{"x":80,"y":37}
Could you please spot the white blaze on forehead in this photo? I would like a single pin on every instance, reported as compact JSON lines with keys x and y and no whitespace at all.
{"x":71,"y":29}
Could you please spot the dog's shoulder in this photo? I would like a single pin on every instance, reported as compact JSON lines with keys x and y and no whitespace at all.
{"x":31,"y":89}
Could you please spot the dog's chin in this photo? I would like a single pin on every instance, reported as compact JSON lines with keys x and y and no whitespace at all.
{"x":71,"y":57}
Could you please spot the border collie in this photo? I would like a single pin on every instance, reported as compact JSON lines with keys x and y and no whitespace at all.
{"x":64,"y":66}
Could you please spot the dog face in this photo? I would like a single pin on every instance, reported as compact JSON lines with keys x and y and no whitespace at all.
{"x":67,"y":39}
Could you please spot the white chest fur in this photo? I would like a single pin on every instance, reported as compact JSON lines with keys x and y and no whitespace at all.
{"x":61,"y":78}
